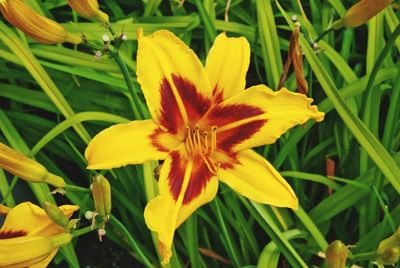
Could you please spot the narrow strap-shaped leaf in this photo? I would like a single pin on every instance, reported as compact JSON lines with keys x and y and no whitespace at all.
{"x":364,"y":136}
{"x":8,"y":37}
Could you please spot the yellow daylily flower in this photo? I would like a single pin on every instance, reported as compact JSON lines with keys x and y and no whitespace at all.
{"x":89,"y":9}
{"x":28,"y":238}
{"x":204,"y":124}
{"x":40,"y":28}
{"x":361,"y":12}
{"x":26,"y":168}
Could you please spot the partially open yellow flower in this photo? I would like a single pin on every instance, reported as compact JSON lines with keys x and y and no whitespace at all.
{"x":204,"y":124}
{"x":361,"y":12}
{"x":89,"y":9}
{"x":26,"y":168}
{"x":40,"y":28}
{"x":28,"y":238}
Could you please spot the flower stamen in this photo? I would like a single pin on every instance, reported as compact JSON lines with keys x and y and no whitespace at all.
{"x":198,"y":143}
{"x":213,"y":139}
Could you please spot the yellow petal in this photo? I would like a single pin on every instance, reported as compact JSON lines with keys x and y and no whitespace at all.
{"x":4,"y":210}
{"x":29,"y":250}
{"x":132,"y":143}
{"x":184,"y":185}
{"x":255,"y":178}
{"x":46,"y":261}
{"x":32,"y":220}
{"x":173,"y":80}
{"x":227,"y":65}
{"x":259,"y":116}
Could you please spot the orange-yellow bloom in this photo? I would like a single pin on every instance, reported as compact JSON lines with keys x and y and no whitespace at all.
{"x":204,"y":124}
{"x":89,"y":9}
{"x":28,"y":238}
{"x":26,"y":168}
{"x":40,"y":28}
{"x":361,"y":12}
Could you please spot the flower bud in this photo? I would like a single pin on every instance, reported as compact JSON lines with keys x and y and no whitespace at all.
{"x":389,"y":249}
{"x":89,"y":9}
{"x":40,"y":28}
{"x":26,"y":168}
{"x":101,"y":191}
{"x":336,"y":254}
{"x":388,"y":257}
{"x":361,"y":12}
{"x":26,"y":251}
{"x":56,"y":215}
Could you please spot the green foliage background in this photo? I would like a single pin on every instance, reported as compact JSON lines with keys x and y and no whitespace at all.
{"x":55,"y":98}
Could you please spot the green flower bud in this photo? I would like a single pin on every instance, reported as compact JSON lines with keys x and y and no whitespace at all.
{"x":336,"y":254}
{"x":388,"y":249}
{"x":101,"y":191}
{"x":56,"y":215}
{"x":388,"y":257}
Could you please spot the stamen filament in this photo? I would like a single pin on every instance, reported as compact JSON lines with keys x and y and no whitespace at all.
{"x":198,"y":139}
{"x":205,"y":142}
{"x":198,"y":144}
{"x":213,"y":139}
{"x":210,"y":165}
{"x":190,"y":141}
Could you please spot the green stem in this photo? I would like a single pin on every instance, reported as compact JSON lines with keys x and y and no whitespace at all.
{"x":323,"y":35}
{"x":365,"y":256}
{"x":119,"y":225}
{"x":82,"y":231}
{"x":312,"y":228}
{"x":74,"y":188}
{"x":129,"y":84}
{"x":128,"y":80}
{"x":110,"y":29}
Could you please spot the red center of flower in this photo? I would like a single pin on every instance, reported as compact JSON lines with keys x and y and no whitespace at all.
{"x":5,"y":234}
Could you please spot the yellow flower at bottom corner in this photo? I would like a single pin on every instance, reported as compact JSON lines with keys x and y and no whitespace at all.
{"x":40,"y":28}
{"x":28,"y":238}
{"x":204,"y":124}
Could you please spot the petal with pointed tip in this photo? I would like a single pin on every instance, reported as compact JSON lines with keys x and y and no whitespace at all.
{"x":131,"y":143}
{"x":255,"y":178}
{"x":227,"y":64}
{"x":184,"y":185}
{"x":259,"y":116}
{"x":173,"y":80}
